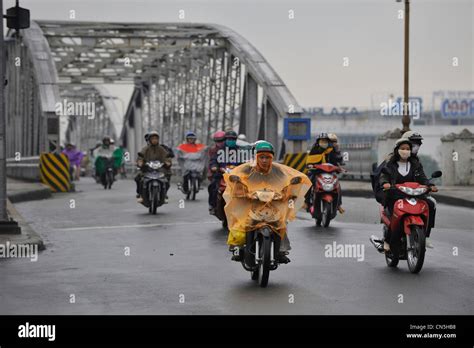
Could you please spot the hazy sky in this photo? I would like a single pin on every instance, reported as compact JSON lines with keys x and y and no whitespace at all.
{"x":308,"y":51}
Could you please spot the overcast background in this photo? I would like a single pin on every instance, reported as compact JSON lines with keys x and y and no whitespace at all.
{"x":307,"y":52}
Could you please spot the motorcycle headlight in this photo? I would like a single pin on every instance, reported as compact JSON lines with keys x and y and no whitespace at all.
{"x":326,"y":176}
{"x":328,"y":187}
{"x":413,"y":192}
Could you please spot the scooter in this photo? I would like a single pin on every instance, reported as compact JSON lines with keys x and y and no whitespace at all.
{"x":153,"y":186}
{"x":258,"y":254}
{"x":194,"y":184}
{"x":325,"y":192}
{"x":108,"y":177}
{"x":408,"y":222}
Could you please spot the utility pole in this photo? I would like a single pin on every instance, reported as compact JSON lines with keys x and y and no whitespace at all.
{"x":406,"y":113}
{"x":17,"y":18}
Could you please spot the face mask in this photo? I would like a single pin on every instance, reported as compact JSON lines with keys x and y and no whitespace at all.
{"x":404,"y":154}
{"x":231,"y":143}
{"x":324,"y":145}
{"x":415,"y":149}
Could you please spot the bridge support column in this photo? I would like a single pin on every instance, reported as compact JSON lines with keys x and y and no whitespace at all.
{"x":271,"y":126}
{"x":138,"y":123}
{"x":249,"y":104}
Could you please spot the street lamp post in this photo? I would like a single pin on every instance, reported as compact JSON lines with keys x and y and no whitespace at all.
{"x":406,"y":115}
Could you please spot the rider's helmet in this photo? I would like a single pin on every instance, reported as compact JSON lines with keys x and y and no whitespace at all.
{"x":191,"y":135}
{"x":153,"y":133}
{"x":106,"y":140}
{"x":230,"y":135}
{"x":242,"y":137}
{"x":332,"y":137}
{"x":413,"y":136}
{"x":322,"y":135}
{"x":400,"y":142}
{"x":264,"y":146}
{"x":112,"y":141}
{"x":218,"y":136}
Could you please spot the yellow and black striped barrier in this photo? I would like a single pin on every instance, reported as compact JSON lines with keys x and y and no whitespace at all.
{"x":296,"y":161}
{"x":54,"y":171}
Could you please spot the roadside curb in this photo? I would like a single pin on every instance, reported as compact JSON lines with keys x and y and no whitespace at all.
{"x":28,"y":235}
{"x":30,"y":195}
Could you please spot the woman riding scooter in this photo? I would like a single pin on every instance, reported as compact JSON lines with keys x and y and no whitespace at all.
{"x":400,"y":168}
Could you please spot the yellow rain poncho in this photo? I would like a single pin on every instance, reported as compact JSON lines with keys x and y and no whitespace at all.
{"x":245,"y":214}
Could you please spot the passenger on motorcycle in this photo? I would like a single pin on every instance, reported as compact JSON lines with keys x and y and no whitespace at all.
{"x":151,"y":152}
{"x":191,"y":157}
{"x":401,"y":167}
{"x":213,"y":174}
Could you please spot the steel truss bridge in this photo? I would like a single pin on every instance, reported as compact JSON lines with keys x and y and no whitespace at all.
{"x":200,"y":77}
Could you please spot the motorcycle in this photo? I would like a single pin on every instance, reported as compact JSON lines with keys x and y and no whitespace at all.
{"x":262,"y":244}
{"x":409,"y":221}
{"x":220,"y":202}
{"x":108,"y":177}
{"x":325,"y":192}
{"x":153,"y":186}
{"x":194,"y":184}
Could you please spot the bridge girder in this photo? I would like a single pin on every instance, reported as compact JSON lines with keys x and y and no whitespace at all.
{"x":203,"y":77}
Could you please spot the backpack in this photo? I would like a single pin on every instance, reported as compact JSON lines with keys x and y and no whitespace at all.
{"x":374,"y":180}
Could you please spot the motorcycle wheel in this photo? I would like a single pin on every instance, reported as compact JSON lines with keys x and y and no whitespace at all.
{"x":416,"y":253}
{"x":264,"y":266}
{"x":110,"y":179}
{"x":153,"y":200}
{"x":325,"y":216}
{"x":195,"y":189}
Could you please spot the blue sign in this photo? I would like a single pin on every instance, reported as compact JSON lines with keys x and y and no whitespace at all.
{"x":457,"y":108}
{"x":297,"y":128}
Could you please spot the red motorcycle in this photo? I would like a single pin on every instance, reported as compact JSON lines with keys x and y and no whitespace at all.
{"x":220,"y":204}
{"x":325,"y":192}
{"x":409,"y":220}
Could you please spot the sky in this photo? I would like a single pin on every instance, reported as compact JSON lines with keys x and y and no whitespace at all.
{"x":308,"y":51}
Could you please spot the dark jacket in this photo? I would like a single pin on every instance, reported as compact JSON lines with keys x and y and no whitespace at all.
{"x":154,"y":153}
{"x":389,"y":173}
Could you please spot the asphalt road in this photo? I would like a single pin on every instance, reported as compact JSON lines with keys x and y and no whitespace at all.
{"x":178,"y":262}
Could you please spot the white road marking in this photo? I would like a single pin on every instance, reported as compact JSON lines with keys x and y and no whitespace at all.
{"x":134,"y":226}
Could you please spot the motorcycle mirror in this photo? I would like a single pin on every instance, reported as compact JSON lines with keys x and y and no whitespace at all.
{"x":295,"y":180}
{"x":437,"y":174}
{"x":234,"y":178}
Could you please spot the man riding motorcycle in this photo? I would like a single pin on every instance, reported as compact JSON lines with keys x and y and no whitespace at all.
{"x":401,"y":167}
{"x":262,"y":173}
{"x":213,"y":174}
{"x":151,"y":152}
{"x":191,"y":157}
